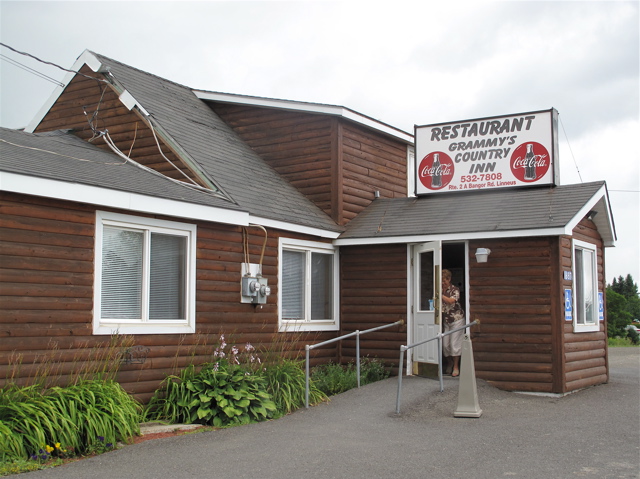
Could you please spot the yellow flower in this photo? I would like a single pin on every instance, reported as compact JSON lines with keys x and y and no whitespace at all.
{"x":57,"y":445}
{"x":48,"y":448}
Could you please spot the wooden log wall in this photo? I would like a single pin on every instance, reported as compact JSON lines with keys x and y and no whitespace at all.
{"x":374,"y":293}
{"x":370,"y":162}
{"x":297,"y":145}
{"x":335,"y":163}
{"x":46,"y":300}
{"x":585,"y":354}
{"x":511,"y":295}
{"x":86,"y":102}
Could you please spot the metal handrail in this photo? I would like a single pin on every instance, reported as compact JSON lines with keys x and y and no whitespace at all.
{"x":439,"y":337}
{"x":357,"y":334}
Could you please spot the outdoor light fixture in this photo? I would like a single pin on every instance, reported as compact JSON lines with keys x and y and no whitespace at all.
{"x":482,"y":254}
{"x":592,"y":214}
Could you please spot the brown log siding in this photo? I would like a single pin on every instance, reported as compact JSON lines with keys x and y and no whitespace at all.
{"x":374,"y":293}
{"x":297,"y":145}
{"x":46,"y":293}
{"x":335,"y":163}
{"x":511,"y":296}
{"x":585,"y":354}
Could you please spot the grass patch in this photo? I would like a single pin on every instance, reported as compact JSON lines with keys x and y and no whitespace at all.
{"x":622,"y":343}
{"x":335,"y":378}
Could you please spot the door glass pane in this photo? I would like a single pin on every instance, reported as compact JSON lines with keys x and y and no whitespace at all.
{"x":167,"y":277}
{"x":321,"y":286}
{"x":121,"y":295}
{"x":293,"y":274}
{"x":426,"y":280}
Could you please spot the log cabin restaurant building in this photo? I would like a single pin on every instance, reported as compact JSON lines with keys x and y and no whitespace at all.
{"x":136,"y":205}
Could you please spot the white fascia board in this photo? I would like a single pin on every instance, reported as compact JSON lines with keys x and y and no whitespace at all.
{"x":453,"y":237}
{"x":306,"y":107}
{"x":134,"y":202}
{"x":105,"y":197}
{"x":86,"y":58}
{"x":281,"y":225}
{"x":603,"y":220}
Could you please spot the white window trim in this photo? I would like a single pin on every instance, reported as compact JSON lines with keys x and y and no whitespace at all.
{"x":145,"y":326}
{"x":308,"y":324}
{"x":595,"y":326}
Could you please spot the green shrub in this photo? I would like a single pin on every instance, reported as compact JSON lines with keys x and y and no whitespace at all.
{"x":286,"y":382}
{"x":219,"y":394}
{"x":334,"y":378}
{"x":78,"y":419}
{"x":633,"y":336}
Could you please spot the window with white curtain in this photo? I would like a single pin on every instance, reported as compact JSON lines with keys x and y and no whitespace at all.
{"x":308,"y":286}
{"x":145,"y":275}
{"x":585,"y":277}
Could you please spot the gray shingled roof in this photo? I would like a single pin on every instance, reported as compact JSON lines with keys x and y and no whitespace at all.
{"x":508,"y":209}
{"x":63,"y":156}
{"x":229,"y":162}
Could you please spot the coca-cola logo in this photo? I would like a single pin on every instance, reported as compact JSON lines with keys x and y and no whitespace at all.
{"x":436,"y":170}
{"x":530,"y":161}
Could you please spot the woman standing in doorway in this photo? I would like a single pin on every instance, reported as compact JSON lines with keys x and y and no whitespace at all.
{"x":453,"y":317}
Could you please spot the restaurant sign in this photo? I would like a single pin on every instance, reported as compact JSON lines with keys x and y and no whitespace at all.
{"x":497,"y":152}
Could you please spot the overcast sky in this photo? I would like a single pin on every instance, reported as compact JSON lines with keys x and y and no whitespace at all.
{"x":401,"y":62}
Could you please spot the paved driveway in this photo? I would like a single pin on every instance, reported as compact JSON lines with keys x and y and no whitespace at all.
{"x":591,"y":434}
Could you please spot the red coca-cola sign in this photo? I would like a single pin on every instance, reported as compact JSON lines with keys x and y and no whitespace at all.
{"x":436,"y":170}
{"x":530,"y":161}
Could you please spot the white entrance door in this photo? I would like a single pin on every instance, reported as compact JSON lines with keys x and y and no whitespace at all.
{"x":427,"y":285}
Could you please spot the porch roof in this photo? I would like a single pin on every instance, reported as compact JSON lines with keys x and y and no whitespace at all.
{"x":495,"y":213}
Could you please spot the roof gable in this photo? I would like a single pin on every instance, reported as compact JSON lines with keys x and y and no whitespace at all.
{"x":203,"y":140}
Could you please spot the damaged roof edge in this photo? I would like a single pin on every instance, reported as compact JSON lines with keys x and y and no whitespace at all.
{"x":127,"y":99}
{"x":86,"y":58}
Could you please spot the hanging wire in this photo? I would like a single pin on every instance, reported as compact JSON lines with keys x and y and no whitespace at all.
{"x":31,"y":70}
{"x":245,"y":250}
{"x":135,"y":135}
{"x":50,"y":63}
{"x":160,"y":150}
{"x":570,"y":150}
{"x":94,"y":116}
{"x":264,"y":246}
{"x":59,"y":154}
{"x":109,"y":141}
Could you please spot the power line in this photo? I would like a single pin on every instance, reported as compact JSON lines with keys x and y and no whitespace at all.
{"x":50,"y":63}
{"x":570,"y":150}
{"x":31,"y":70}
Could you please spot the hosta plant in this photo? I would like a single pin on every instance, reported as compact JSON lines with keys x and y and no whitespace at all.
{"x":219,"y":394}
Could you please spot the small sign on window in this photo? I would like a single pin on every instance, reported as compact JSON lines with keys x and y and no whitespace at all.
{"x":600,"y":306}
{"x":568,"y":305}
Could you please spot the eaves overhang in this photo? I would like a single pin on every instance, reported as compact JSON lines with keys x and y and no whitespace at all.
{"x":140,"y":203}
{"x":316,"y":108}
{"x":422,"y":238}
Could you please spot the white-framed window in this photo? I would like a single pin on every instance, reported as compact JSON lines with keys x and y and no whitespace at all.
{"x":307,"y":286}
{"x":144,"y":275}
{"x":585,"y":287}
